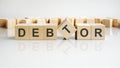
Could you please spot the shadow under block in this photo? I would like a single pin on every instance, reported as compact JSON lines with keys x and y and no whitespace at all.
{"x":83,"y":32}
{"x":98,"y":31}
{"x":35,"y":32}
{"x":66,"y":28}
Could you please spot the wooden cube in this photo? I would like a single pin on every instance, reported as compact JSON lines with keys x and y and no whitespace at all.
{"x":11,"y":23}
{"x":106,"y":22}
{"x":54,"y":21}
{"x":42,"y":21}
{"x":78,"y":21}
{"x":83,"y":32}
{"x":97,"y":20}
{"x":98,"y":31}
{"x":71,"y":19}
{"x":21,"y":32}
{"x":90,"y":21}
{"x":24,"y":21}
{"x":115,"y":23}
{"x":35,"y":32}
{"x":66,"y":28}
{"x":3,"y":23}
{"x":50,"y":32}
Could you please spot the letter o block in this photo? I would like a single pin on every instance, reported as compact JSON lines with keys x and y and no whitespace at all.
{"x":83,"y":32}
{"x":21,"y":32}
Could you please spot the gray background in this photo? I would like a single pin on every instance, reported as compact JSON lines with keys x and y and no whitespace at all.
{"x":59,"y":8}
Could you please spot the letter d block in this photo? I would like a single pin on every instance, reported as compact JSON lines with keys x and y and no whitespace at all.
{"x":83,"y":32}
{"x":50,"y":32}
{"x":98,"y":31}
{"x":21,"y":32}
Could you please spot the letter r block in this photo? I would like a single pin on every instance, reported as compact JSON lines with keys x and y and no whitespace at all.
{"x":83,"y":32}
{"x":98,"y":31}
{"x":21,"y":32}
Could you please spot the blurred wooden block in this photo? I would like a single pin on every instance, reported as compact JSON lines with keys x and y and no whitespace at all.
{"x":97,"y":20}
{"x":90,"y":21}
{"x":21,"y":32}
{"x":11,"y":23}
{"x":3,"y":23}
{"x":54,"y":21}
{"x":42,"y":21}
{"x":71,"y":19}
{"x":35,"y":32}
{"x":106,"y":22}
{"x":50,"y":32}
{"x":98,"y":31}
{"x":115,"y":23}
{"x":24,"y":21}
{"x":66,"y":28}
{"x":83,"y":32}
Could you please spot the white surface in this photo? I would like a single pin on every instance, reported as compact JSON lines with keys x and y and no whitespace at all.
{"x":60,"y":53}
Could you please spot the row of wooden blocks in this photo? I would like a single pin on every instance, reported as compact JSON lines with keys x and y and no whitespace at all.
{"x":49,"y":31}
{"x":10,"y":23}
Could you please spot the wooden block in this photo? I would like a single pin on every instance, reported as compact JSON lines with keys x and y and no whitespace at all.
{"x":34,"y":21}
{"x":41,"y":21}
{"x":11,"y":23}
{"x":98,"y":31}
{"x":21,"y":32}
{"x":90,"y":21}
{"x":97,"y":20}
{"x":50,"y":32}
{"x":115,"y":23}
{"x":54,"y":21}
{"x":83,"y":32}
{"x":66,"y":28}
{"x":24,"y":21}
{"x":106,"y":22}
{"x":3,"y":23}
{"x":35,"y":32}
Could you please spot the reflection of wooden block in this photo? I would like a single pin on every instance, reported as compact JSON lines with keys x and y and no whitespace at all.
{"x":106,"y":22}
{"x":21,"y":32}
{"x":50,"y":32}
{"x":35,"y":32}
{"x":83,"y":32}
{"x":115,"y":23}
{"x":11,"y":23}
{"x":66,"y":28}
{"x":3,"y":23}
{"x":97,"y":20}
{"x":98,"y":31}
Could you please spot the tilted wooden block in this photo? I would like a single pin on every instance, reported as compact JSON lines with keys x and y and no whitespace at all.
{"x":66,"y":28}
{"x":83,"y":32}
{"x":21,"y":32}
{"x":106,"y":22}
{"x":115,"y":23}
{"x":35,"y":32}
{"x":98,"y":31}
{"x":3,"y":23}
{"x":50,"y":32}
